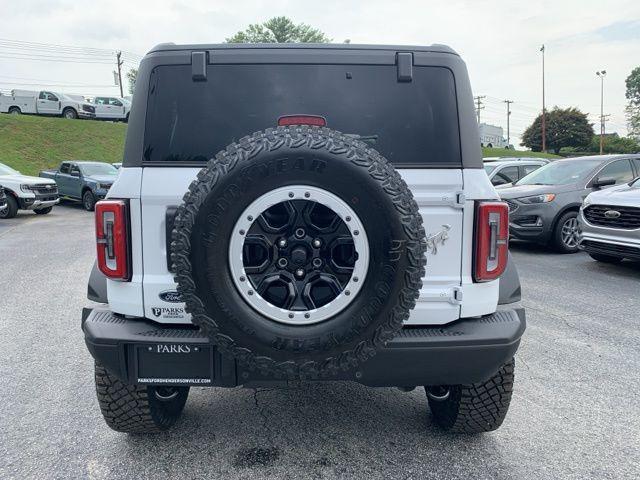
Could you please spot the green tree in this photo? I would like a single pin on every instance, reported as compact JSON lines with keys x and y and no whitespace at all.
{"x":566,"y":127}
{"x":279,"y":30}
{"x":132,"y":74}
{"x":633,"y":106}
{"x":615,"y":144}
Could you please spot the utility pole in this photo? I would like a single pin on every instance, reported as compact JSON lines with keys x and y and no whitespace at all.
{"x":119,"y":63}
{"x":479,"y":105}
{"x":508,"y":102}
{"x":544,"y":112}
{"x":602,"y":74}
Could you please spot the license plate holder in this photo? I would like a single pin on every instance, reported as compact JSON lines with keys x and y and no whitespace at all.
{"x":174,"y":364}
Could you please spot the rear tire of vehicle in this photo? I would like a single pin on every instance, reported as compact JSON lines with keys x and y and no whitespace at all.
{"x":126,"y":119}
{"x":475,"y":408}
{"x":70,"y":113}
{"x":88,"y":201}
{"x":565,"y":234}
{"x":605,"y":258}
{"x":137,"y":408}
{"x":43,"y":211}
{"x":299,"y":157}
{"x":12,"y":208}
{"x":15,"y":111}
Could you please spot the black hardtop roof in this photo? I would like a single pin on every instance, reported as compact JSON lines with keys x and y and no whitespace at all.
{"x":434,"y":48}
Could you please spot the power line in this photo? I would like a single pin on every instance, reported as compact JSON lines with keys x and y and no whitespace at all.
{"x":54,"y":84}
{"x":52,"y":59}
{"x":57,"y":47}
{"x":19,"y":50}
{"x":47,"y":57}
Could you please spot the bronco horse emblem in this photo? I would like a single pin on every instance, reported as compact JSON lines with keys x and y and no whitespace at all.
{"x":434,"y":239}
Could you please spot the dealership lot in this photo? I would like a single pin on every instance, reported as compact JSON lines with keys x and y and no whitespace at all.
{"x":574,"y":412}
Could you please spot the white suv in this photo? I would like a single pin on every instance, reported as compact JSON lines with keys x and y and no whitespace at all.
{"x":272,"y":219}
{"x":507,"y":171}
{"x":26,"y":193}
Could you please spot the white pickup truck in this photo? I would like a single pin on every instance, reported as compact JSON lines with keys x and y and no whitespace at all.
{"x":45,"y":103}
{"x":112,"y":108}
{"x":26,"y":193}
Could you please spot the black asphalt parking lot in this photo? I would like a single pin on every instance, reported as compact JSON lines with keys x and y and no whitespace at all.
{"x":575,"y":411}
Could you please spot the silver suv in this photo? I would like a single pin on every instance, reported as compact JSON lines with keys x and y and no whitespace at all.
{"x":609,"y":223}
{"x":507,"y":171}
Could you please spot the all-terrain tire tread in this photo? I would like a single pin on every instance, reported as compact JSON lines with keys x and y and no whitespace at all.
{"x":478,"y":407}
{"x":126,"y":408}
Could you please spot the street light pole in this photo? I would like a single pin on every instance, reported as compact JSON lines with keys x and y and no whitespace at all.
{"x":544,"y":120}
{"x":601,"y":74}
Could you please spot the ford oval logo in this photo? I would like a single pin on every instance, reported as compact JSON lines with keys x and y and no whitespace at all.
{"x":612,"y":214}
{"x":170,"y":296}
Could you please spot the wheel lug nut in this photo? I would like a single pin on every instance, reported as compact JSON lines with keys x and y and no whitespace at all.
{"x":282,"y":243}
{"x":316,"y":243}
{"x":282,"y":262}
{"x":299,"y":232}
{"x":299,"y":272}
{"x":317,"y":262}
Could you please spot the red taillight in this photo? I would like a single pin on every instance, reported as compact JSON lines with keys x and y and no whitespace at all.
{"x":492,"y":240}
{"x":112,"y":239}
{"x":313,"y":120}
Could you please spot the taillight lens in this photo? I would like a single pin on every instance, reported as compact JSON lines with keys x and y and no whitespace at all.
{"x":313,"y":120}
{"x":492,"y":240}
{"x":112,"y":239}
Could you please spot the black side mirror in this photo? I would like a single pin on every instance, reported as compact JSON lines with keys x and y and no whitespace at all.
{"x":603,"y":182}
{"x":75,"y":173}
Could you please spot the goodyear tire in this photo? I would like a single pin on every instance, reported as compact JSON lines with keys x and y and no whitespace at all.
{"x":299,"y":251}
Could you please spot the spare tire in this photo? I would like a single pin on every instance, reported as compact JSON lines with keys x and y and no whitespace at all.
{"x":299,"y":251}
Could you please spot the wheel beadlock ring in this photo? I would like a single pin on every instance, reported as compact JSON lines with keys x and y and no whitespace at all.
{"x":285,"y":194}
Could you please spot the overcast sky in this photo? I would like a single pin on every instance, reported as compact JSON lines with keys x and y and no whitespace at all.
{"x":499,"y":40}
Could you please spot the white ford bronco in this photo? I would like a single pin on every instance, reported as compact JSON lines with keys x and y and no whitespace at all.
{"x":302,"y":212}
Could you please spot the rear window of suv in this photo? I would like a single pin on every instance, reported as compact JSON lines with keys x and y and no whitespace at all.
{"x":411,"y":123}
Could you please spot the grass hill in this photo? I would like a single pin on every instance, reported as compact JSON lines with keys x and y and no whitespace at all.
{"x":30,"y":143}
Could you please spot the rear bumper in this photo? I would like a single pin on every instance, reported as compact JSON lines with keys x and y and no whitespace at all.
{"x":139,"y":351}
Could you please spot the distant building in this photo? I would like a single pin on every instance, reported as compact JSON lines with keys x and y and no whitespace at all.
{"x":492,"y":136}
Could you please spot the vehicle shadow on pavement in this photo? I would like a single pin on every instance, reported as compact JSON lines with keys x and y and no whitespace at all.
{"x":531,"y":247}
{"x":318,"y":429}
{"x":626,"y":268}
